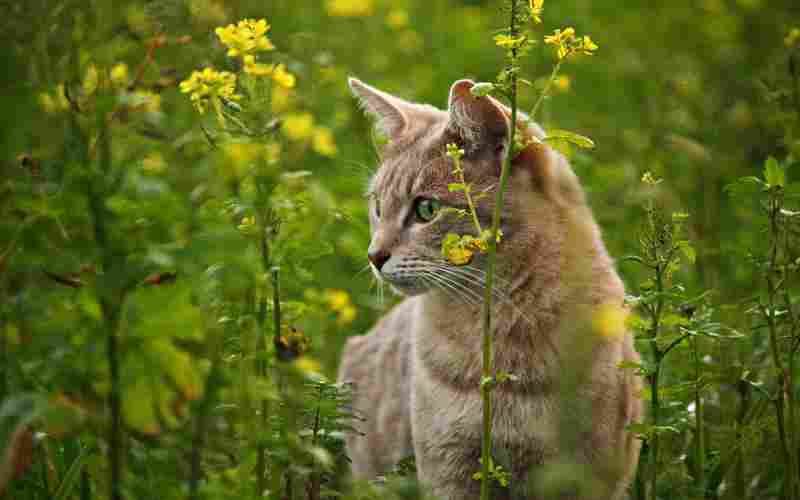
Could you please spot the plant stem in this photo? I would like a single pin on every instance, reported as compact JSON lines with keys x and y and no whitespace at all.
{"x":546,"y":89}
{"x":487,"y":337}
{"x":700,"y":449}
{"x":655,"y":402}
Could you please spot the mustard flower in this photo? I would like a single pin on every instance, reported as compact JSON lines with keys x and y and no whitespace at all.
{"x":569,"y":45}
{"x":254,"y":68}
{"x":282,"y":77}
{"x":245,"y":37}
{"x":323,"y":142}
{"x":207,"y":86}
{"x":298,"y":126}
{"x":536,"y":6}
{"x":509,"y":42}
{"x":349,"y":8}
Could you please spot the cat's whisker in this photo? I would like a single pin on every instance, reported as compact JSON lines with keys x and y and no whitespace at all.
{"x":448,"y":285}
{"x":474,"y":298}
{"x":498,"y":294}
{"x":453,"y":278}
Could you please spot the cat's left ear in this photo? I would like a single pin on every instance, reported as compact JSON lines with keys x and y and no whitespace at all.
{"x":478,"y":120}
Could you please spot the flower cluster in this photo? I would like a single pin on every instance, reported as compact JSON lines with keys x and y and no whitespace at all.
{"x":246,"y":37}
{"x":300,"y":127}
{"x":568,"y":44}
{"x":349,"y":8}
{"x":208,"y":86}
{"x":536,"y":6}
{"x":339,"y":302}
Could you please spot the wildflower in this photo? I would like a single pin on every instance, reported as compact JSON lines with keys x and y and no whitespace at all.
{"x":339,"y":302}
{"x":251,"y":67}
{"x":349,"y":8}
{"x":283,"y":77}
{"x":608,"y":320}
{"x":53,"y":103}
{"x":209,"y":85}
{"x":308,"y":365}
{"x":792,"y":38}
{"x":536,"y":6}
{"x":298,"y":126}
{"x":245,"y":37}
{"x":569,"y":45}
{"x":562,"y":83}
{"x":323,"y":142}
{"x":243,"y":153}
{"x":397,"y":19}
{"x":119,"y":75}
{"x":291,"y":344}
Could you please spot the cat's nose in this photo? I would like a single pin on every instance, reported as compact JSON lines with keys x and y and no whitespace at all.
{"x":378,"y":258}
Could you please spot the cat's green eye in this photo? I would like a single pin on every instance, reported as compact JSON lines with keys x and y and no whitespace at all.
{"x":427,"y":208}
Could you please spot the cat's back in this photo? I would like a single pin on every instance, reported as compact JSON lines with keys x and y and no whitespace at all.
{"x":378,"y":367}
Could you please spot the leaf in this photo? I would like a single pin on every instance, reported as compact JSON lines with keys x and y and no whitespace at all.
{"x":688,"y":250}
{"x":774,"y":173}
{"x":744,"y":186}
{"x":482,"y":89}
{"x":576,"y":139}
{"x":68,"y":483}
{"x":456,"y":186}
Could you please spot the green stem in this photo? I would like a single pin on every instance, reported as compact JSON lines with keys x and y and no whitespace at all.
{"x":700,"y":450}
{"x":468,"y":195}
{"x":546,"y":89}
{"x":487,"y":337}
{"x":655,"y":402}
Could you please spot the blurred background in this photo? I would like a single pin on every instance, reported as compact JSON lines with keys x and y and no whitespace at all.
{"x":124,"y":215}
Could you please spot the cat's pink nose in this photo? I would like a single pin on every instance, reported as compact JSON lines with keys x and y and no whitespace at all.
{"x":378,"y":258}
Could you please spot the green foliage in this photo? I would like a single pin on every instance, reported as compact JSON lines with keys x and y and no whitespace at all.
{"x":175,"y":287}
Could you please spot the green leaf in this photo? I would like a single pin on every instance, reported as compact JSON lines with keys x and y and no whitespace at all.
{"x":68,"y":483}
{"x":571,"y":137}
{"x":688,"y":250}
{"x":774,"y":173}
{"x":744,"y":186}
{"x":482,"y":89}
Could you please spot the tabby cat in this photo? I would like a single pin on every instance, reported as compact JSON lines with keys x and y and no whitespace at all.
{"x":417,"y":374}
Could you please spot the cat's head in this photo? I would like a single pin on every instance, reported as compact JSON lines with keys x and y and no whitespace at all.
{"x":412,"y":208}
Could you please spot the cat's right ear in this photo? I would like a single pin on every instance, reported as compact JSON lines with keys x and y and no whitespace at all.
{"x":390,"y":111}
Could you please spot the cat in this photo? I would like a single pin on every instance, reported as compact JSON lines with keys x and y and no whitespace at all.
{"x":416,"y":376}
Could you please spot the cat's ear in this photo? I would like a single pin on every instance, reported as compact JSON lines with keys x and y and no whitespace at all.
{"x":478,"y":120}
{"x":391,"y":111}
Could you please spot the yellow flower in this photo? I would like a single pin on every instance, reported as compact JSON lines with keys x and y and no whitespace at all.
{"x":537,"y":6}
{"x":349,"y":8}
{"x":282,"y":77}
{"x":207,"y":86}
{"x":792,"y":38}
{"x":298,"y":126}
{"x":458,"y":255}
{"x":608,"y":320}
{"x":251,"y":67}
{"x":245,"y":37}
{"x":323,"y":142}
{"x":243,"y":152}
{"x":339,"y":302}
{"x":569,"y":45}
{"x":53,"y":103}
{"x":119,"y":75}
{"x":397,"y":19}
{"x":562,"y":83}
{"x":308,"y":365}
